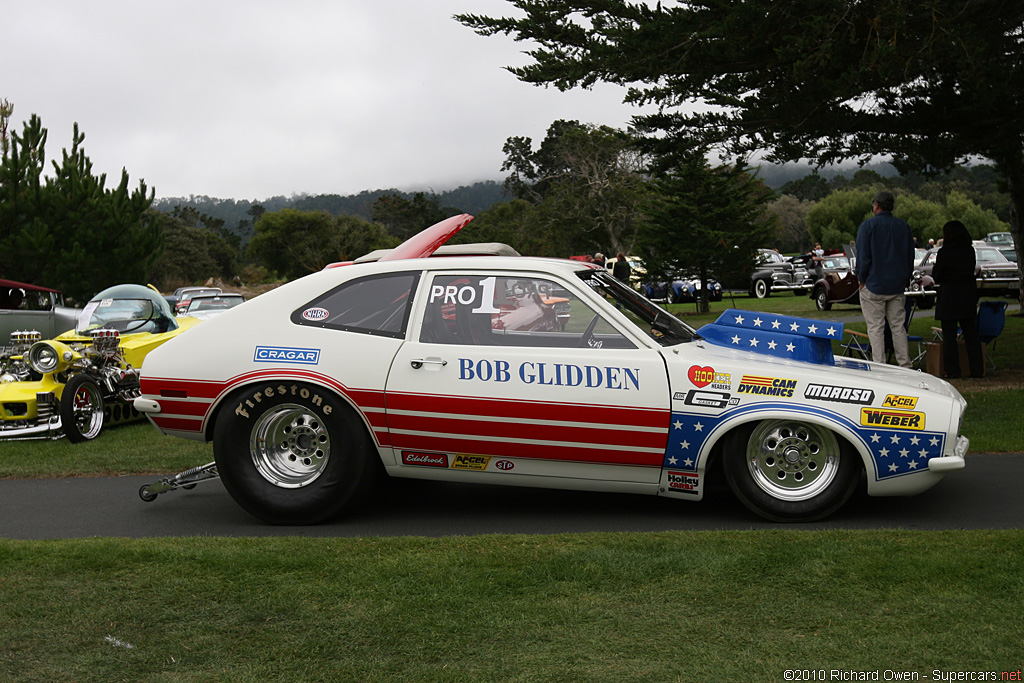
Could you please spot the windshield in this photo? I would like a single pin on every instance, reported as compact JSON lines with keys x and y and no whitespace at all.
{"x":990,"y":255}
{"x":655,"y":321}
{"x":123,"y":315}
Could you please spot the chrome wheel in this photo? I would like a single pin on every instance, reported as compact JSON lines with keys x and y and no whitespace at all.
{"x":81,"y":409}
{"x":792,"y":461}
{"x":290,"y":446}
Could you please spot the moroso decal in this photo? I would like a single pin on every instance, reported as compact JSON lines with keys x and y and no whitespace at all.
{"x":286,"y":354}
{"x":894,"y":419}
{"x":828,"y":392}
{"x":894,"y":401}
{"x":701,"y":377}
{"x":766,"y":386}
{"x":465,"y":461}
{"x":425,"y":459}
{"x":683,"y":482}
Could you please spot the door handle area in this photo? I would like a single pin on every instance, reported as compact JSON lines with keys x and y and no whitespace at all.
{"x":418,"y":363}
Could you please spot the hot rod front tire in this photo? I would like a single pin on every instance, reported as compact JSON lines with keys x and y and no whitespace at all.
{"x":790,"y":471}
{"x":81,"y":409}
{"x":292,"y":453}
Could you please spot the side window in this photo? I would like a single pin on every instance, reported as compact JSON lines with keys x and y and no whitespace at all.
{"x":377,"y":304}
{"x":502,"y":310}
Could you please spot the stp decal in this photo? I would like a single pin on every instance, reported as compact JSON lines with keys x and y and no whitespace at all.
{"x":286,"y":354}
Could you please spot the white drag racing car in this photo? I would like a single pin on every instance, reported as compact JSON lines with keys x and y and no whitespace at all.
{"x":460,"y":369}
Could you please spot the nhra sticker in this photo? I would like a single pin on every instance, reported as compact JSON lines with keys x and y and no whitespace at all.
{"x":705,"y":399}
{"x":315,"y":314}
{"x":701,"y":377}
{"x":424,"y":459}
{"x":285,"y":354}
{"x":766,"y":386}
{"x":827,"y":392}
{"x":464,"y":461}
{"x":683,"y":482}
{"x":893,"y":419}
{"x":894,"y":401}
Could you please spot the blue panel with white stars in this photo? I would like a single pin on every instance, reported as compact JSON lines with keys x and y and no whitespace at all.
{"x":784,"y":336}
{"x":895,"y":452}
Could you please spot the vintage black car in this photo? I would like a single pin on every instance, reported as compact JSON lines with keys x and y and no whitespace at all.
{"x":776,"y":273}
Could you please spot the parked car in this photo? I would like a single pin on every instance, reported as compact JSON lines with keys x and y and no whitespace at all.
{"x":682,"y":290}
{"x":179,"y":300}
{"x":839,"y":285}
{"x":74,"y":384}
{"x":999,"y":239}
{"x":996,"y":275}
{"x":205,"y":306}
{"x":34,"y":309}
{"x":313,"y":390}
{"x":774,"y":272}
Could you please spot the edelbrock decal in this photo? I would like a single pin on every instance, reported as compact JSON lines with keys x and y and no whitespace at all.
{"x":837,"y":394}
{"x":286,"y":354}
{"x":424,"y":459}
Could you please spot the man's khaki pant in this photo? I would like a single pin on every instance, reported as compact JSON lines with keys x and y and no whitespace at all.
{"x":877,"y":309}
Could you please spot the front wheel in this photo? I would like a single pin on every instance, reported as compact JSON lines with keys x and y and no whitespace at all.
{"x":81,"y":409}
{"x":292,"y":453}
{"x":790,"y":471}
{"x":821,"y":301}
{"x":762,"y":289}
{"x":926,"y":302}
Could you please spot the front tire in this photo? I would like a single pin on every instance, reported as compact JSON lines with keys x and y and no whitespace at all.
{"x":292,"y":453}
{"x":81,"y":409}
{"x":762,"y":289}
{"x":821,"y":301}
{"x":790,"y":471}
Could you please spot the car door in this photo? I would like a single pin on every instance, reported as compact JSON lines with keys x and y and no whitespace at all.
{"x":524,"y":374}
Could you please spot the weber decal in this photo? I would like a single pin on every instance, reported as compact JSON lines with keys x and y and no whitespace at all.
{"x":766,"y":386}
{"x":828,"y":392}
{"x":895,"y":401}
{"x":424,"y":459}
{"x":465,"y":461}
{"x":683,"y":482}
{"x":893,"y":419}
{"x":286,"y":354}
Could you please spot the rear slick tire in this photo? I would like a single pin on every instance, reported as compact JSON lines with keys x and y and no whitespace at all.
{"x":291,"y":453}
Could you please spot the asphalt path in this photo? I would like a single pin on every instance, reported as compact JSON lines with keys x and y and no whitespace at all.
{"x":984,"y":495}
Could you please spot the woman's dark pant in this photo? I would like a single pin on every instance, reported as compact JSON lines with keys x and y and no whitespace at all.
{"x":951,"y":350}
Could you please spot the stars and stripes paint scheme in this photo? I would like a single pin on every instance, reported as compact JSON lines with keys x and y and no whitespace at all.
{"x":459,"y":373}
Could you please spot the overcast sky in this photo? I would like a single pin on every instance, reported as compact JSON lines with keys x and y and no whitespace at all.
{"x":249,"y":100}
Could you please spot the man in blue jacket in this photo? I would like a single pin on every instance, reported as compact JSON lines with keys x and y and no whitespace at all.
{"x":885,"y":261}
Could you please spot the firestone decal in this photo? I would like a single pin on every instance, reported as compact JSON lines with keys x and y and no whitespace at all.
{"x":893,"y":419}
{"x":551,"y":374}
{"x":837,"y":394}
{"x":271,"y":391}
{"x":766,"y":386}
{"x":286,"y":354}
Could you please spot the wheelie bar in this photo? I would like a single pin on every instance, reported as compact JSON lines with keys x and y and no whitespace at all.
{"x":184,"y":480}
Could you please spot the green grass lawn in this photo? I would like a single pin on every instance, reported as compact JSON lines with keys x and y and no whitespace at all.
{"x":677,"y":606}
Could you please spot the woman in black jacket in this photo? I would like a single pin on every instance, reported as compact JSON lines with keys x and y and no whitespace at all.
{"x":957,"y":302}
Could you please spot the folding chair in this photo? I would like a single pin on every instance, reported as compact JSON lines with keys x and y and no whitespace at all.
{"x":859,"y":346}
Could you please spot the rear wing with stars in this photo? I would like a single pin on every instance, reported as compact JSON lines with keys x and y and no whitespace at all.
{"x":782,"y":336}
